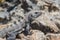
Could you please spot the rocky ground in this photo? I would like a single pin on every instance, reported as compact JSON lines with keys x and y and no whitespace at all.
{"x":29,"y":19}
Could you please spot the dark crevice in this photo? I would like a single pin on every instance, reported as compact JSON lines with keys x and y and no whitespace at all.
{"x":12,"y":7}
{"x":25,"y":6}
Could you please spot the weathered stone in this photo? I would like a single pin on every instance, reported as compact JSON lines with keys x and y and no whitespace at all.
{"x":51,"y":36}
{"x":2,"y":39}
{"x":37,"y":35}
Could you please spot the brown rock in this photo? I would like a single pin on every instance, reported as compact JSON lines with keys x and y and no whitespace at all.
{"x":2,"y":39}
{"x":37,"y":35}
{"x":51,"y":36}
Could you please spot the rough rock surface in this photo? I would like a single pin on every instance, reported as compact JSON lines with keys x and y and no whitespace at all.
{"x":51,"y":36}
{"x":30,"y":19}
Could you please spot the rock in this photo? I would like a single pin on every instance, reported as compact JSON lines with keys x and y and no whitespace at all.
{"x":17,"y":39}
{"x":37,"y":35}
{"x":24,"y":37}
{"x":51,"y":36}
{"x":2,"y":39}
{"x":42,"y":16}
{"x":2,"y":1}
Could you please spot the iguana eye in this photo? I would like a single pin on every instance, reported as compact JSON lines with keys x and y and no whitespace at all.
{"x":36,"y":12}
